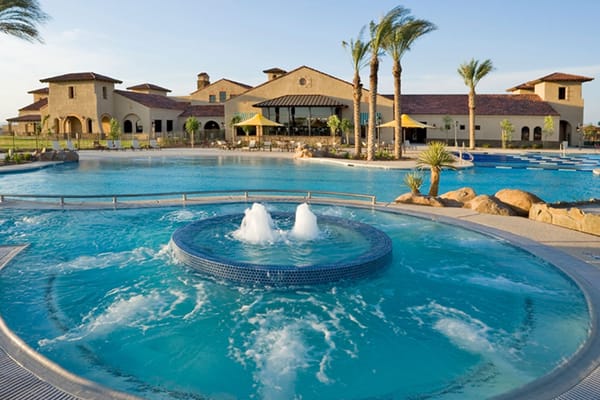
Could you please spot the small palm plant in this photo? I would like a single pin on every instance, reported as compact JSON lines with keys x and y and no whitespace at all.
{"x":191,"y":126}
{"x":435,"y":157}
{"x":414,"y":181}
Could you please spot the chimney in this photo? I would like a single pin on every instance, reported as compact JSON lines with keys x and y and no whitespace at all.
{"x":274,"y":73}
{"x":203,"y":80}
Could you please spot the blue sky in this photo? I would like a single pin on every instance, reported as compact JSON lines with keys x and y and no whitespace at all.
{"x":169,"y":43}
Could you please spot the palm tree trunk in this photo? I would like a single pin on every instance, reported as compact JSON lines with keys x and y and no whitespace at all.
{"x":435,"y":182}
{"x":357,"y":95}
{"x":472,"y":119}
{"x":397,"y":73}
{"x":372,"y":106}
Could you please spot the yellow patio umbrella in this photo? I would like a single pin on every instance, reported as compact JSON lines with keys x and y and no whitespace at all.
{"x":258,"y":120}
{"x":407,"y":122}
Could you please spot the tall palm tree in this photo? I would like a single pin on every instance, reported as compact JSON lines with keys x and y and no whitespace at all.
{"x":405,"y":31}
{"x":435,"y":157}
{"x":379,"y":33}
{"x":472,"y":72}
{"x":358,"y":50}
{"x":19,"y":18}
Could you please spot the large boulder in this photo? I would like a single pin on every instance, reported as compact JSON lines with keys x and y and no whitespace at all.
{"x":519,"y":200}
{"x":457,"y":198}
{"x":419,"y":199}
{"x":489,"y":205}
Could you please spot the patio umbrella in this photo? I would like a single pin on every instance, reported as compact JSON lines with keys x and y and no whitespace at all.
{"x":259,"y":121}
{"x":407,"y":122}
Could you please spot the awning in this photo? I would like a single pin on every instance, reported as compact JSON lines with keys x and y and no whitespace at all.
{"x":407,"y":122}
{"x":301,"y":100}
{"x":258,"y":120}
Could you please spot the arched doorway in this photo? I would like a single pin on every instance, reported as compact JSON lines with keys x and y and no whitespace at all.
{"x":212,"y":130}
{"x":537,"y":133}
{"x":525,"y":134}
{"x":72,"y":127}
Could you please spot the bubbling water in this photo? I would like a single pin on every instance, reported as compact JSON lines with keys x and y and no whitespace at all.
{"x":257,"y":226}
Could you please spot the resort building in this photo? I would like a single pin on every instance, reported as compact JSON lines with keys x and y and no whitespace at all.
{"x":300,"y":102}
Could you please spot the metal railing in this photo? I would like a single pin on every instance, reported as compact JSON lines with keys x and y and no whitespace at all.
{"x":187,"y":197}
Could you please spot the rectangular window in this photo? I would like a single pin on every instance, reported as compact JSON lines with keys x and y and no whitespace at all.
{"x":104,"y":93}
{"x":222,"y":97}
{"x":462,"y":127}
{"x":157,"y":125}
{"x":71,"y":92}
{"x":562,"y":93}
{"x":212,"y":98}
{"x":169,"y":125}
{"x":477,"y":127}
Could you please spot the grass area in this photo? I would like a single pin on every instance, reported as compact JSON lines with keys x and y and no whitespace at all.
{"x":29,"y":143}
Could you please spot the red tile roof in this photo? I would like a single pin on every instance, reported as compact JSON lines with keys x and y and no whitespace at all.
{"x":301,"y":100}
{"x":153,"y":100}
{"x":274,"y":71}
{"x":80,"y":76}
{"x":562,"y":77}
{"x":486,"y":104}
{"x":148,"y":86}
{"x":40,"y":91}
{"x":36,"y":106}
{"x":25,"y":118}
{"x":212,"y":110}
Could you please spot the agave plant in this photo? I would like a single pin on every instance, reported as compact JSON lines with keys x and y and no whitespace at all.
{"x":414,"y":181}
{"x":435,"y":157}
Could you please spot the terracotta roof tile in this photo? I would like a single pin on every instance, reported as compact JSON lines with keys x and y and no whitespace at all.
{"x":486,"y":104}
{"x":153,"y":100}
{"x":204,"y":111}
{"x":38,"y":105}
{"x":25,"y":118}
{"x":80,"y":76}
{"x":148,"y":86}
{"x":562,"y":77}
{"x":301,"y":100}
{"x":40,"y":91}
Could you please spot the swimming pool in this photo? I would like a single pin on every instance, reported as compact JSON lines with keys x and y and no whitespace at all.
{"x":455,"y":315}
{"x":153,"y":174}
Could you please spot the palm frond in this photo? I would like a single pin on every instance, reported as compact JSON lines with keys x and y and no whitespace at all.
{"x":20,"y":17}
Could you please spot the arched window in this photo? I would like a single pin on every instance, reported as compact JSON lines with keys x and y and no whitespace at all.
{"x":139,"y":128}
{"x":537,"y":133}
{"x":127,"y":126}
{"x":525,"y":134}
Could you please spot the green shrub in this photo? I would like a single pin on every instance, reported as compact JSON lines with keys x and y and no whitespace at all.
{"x":414,"y":181}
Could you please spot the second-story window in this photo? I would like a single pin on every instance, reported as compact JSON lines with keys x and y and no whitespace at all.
{"x":222,"y":97}
{"x":212,"y":98}
{"x":104,"y":92}
{"x":562,"y":93}
{"x":71,"y":92}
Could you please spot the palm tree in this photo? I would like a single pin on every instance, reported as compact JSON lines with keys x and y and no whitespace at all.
{"x":472,"y":72}
{"x":358,"y":51}
{"x":404,"y":32}
{"x":379,"y":33}
{"x":435,"y":157}
{"x":191,"y":126}
{"x":19,"y":18}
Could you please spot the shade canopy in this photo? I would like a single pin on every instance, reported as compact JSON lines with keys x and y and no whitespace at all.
{"x":407,"y":122}
{"x":258,"y":120}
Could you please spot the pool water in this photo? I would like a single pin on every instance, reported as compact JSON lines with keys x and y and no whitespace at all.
{"x":455,"y":315}
{"x":153,"y":174}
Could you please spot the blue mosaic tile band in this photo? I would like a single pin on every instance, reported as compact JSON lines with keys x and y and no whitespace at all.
{"x":220,"y":267}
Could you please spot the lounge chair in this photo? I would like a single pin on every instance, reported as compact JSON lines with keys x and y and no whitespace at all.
{"x":110,"y":144}
{"x":117,"y":144}
{"x":154,"y":144}
{"x":135,"y":145}
{"x":267,"y":145}
{"x":252,"y":145}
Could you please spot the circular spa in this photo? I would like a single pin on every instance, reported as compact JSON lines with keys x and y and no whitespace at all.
{"x":282,"y":249}
{"x":454,"y":314}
